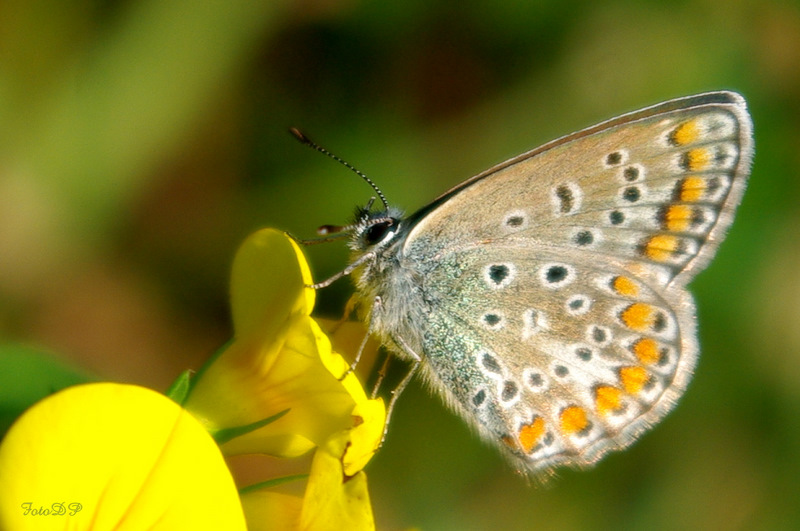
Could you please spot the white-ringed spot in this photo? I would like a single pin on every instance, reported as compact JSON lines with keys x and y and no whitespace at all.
{"x":578,"y":305}
{"x":499,"y":276}
{"x":555,"y":276}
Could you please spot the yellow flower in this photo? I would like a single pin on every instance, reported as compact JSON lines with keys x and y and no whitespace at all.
{"x":277,"y":389}
{"x":332,"y":500}
{"x":279,"y":360}
{"x":108,"y":456}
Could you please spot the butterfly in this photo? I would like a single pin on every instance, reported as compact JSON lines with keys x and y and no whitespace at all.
{"x":545,"y":299}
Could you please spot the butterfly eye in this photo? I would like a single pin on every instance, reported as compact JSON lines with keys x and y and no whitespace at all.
{"x":377,"y":232}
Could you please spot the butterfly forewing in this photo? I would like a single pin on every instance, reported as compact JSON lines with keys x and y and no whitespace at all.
{"x":557,"y":321}
{"x":655,"y":188}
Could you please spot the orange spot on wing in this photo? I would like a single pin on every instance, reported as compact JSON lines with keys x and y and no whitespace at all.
{"x":697,"y":159}
{"x":608,"y":399}
{"x":638,"y":316}
{"x":678,"y":218}
{"x":529,"y":434}
{"x":633,"y":379}
{"x":660,"y":248}
{"x":573,"y":420}
{"x":646,"y":350}
{"x":625,"y":286}
{"x":686,"y":133}
{"x":692,"y":189}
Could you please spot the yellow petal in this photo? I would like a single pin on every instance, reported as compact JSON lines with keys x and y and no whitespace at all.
{"x":332,"y":500}
{"x":130,"y":457}
{"x":279,"y":359}
{"x":268,"y":283}
{"x":294,"y":378}
{"x":267,"y":510}
{"x":366,"y":436}
{"x":347,"y":337}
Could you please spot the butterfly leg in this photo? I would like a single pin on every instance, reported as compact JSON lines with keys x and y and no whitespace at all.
{"x":381,"y":375}
{"x":346,"y":271}
{"x":398,"y":390}
{"x":357,"y":358}
{"x":395,"y":394}
{"x":351,"y":304}
{"x":384,"y":370}
{"x":348,"y":311}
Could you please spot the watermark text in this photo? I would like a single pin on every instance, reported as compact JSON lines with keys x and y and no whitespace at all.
{"x":54,"y":509}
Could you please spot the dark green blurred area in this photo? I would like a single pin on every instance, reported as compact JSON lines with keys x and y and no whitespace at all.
{"x":140,"y":142}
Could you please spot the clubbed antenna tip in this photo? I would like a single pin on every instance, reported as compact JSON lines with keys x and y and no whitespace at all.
{"x":298,"y":134}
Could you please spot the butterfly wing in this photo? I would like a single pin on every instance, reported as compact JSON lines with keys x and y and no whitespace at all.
{"x":557,"y":316}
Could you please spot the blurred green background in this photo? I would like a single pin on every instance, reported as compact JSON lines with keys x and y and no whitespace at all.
{"x":140,"y":142}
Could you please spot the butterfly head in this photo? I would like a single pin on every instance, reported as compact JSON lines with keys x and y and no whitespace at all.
{"x":374,"y":230}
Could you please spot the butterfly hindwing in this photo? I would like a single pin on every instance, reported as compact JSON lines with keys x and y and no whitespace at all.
{"x":585,"y":353}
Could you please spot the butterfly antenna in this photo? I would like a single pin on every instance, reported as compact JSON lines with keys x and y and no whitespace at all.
{"x":308,"y":142}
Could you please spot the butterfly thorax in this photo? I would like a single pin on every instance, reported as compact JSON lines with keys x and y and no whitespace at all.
{"x":388,"y":291}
